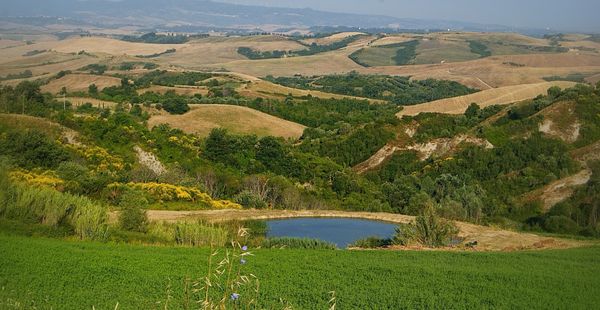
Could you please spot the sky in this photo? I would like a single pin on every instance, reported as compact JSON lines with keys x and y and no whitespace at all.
{"x":575,"y":15}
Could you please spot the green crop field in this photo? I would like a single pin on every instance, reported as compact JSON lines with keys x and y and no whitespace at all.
{"x":49,"y":273}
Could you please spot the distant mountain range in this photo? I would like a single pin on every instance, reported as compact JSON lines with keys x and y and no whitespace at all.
{"x":200,"y":14}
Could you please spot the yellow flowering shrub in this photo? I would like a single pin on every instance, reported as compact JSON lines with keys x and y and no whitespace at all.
{"x":163,"y":192}
{"x":186,"y":142}
{"x":47,"y":178}
{"x":98,"y":157}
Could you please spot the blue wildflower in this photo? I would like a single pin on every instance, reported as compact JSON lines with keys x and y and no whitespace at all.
{"x":242,"y":261}
{"x":235,"y":296}
{"x":244,"y":248}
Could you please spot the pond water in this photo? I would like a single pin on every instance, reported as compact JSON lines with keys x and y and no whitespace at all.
{"x":340,"y":231}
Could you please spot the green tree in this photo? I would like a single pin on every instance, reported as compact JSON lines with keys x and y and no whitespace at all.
{"x":93,"y":90}
{"x":175,"y":105}
{"x":472,"y":111}
{"x":554,"y":92}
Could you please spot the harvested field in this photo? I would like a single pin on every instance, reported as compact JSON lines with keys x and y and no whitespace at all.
{"x":501,"y":96}
{"x":219,"y":50}
{"x":45,"y":64}
{"x":80,"y":82}
{"x":111,"y":46}
{"x":241,"y":120}
{"x":488,"y":238}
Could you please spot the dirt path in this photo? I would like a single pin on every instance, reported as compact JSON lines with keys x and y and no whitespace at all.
{"x":488,"y":238}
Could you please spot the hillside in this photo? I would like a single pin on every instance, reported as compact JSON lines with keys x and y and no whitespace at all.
{"x":241,"y":120}
{"x":80,"y":82}
{"x":485,"y":98}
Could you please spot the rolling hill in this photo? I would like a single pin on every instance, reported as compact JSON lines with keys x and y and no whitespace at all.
{"x":241,"y":120}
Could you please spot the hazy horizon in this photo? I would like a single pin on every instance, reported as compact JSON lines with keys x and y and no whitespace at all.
{"x":578,"y":15}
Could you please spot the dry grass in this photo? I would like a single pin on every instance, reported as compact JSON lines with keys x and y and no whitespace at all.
{"x":80,"y":82}
{"x":488,"y":238}
{"x":180,"y":90}
{"x":393,"y":39}
{"x":501,"y":96}
{"x":77,"y":101}
{"x":332,"y":38}
{"x":241,"y":120}
{"x":44,"y":65}
{"x":435,"y":51}
{"x":10,"y":43}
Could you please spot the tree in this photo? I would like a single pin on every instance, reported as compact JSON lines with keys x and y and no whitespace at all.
{"x":554,"y":92}
{"x":93,"y":90}
{"x":218,"y":145}
{"x":175,"y":105}
{"x":472,"y":111}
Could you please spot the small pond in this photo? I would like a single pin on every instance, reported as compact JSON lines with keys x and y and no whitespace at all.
{"x":340,"y":231}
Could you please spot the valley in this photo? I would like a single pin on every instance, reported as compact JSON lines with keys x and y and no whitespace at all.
{"x":142,"y":162}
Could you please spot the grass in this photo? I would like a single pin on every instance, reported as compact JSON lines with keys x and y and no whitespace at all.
{"x":396,"y":54}
{"x":297,"y":243}
{"x":241,"y":120}
{"x":479,"y":48}
{"x":42,"y":273}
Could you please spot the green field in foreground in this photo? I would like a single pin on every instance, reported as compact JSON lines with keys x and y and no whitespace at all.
{"x":47,"y":273}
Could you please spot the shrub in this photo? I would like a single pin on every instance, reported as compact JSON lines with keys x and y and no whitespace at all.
{"x":429,"y":230}
{"x":250,"y":200}
{"x":298,"y":243}
{"x":47,"y":178}
{"x":133,"y":216}
{"x":162,"y":192}
{"x":560,"y":224}
{"x":175,"y":106}
{"x":371,"y":243}
{"x":32,"y":149}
